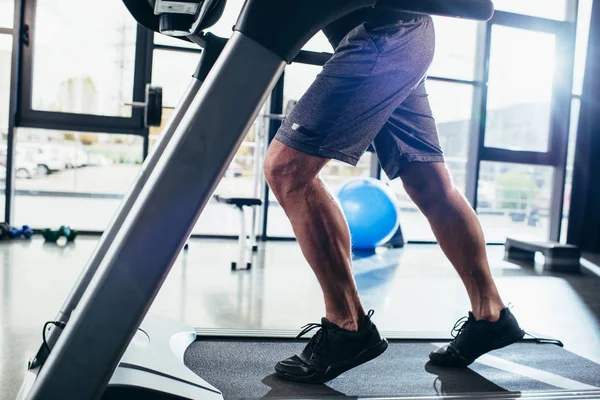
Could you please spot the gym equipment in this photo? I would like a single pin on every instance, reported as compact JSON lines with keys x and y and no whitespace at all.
{"x":371,"y":210}
{"x":25,"y":231}
{"x":100,"y":338}
{"x":558,"y":257}
{"x":8,"y":232}
{"x":152,"y":106}
{"x":400,"y":370}
{"x":240,"y":203}
{"x":52,"y":236}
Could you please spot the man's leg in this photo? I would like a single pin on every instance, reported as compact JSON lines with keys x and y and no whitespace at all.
{"x":320,"y":228}
{"x":457,"y":230}
{"x":490,"y":325}
{"x":337,"y":118}
{"x":347,"y":337}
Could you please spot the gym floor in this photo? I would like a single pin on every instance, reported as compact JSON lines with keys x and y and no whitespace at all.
{"x":414,"y":292}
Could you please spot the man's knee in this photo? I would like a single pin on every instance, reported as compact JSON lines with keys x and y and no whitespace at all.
{"x":287,"y":169}
{"x":428,"y":184}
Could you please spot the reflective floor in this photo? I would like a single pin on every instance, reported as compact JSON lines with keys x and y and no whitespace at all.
{"x":414,"y":291}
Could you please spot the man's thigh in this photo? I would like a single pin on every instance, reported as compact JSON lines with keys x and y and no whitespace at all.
{"x":371,"y":73}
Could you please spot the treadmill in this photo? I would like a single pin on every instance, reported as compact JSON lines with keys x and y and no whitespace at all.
{"x":103,"y":343}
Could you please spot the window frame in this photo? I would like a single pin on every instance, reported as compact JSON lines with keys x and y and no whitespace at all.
{"x":558,"y":139}
{"x":9,"y":189}
{"x":28,"y":117}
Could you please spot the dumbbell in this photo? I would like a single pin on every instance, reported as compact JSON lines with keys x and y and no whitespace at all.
{"x":25,"y":231}
{"x":52,"y":236}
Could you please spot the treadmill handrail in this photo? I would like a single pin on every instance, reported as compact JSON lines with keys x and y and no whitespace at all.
{"x":480,"y":10}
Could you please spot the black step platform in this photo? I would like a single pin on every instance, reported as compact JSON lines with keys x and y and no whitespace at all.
{"x":243,"y":368}
{"x":558,"y":257}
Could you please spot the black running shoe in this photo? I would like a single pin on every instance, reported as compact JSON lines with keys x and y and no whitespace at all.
{"x":474,"y":338}
{"x":332,"y":351}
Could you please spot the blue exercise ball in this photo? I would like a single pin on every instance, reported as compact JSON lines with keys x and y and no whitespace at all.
{"x":372,"y":212}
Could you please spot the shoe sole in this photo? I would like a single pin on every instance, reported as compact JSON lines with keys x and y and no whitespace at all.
{"x":499,"y":344}
{"x":336,"y":370}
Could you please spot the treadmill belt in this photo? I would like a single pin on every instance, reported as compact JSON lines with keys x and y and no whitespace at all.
{"x":244,"y":368}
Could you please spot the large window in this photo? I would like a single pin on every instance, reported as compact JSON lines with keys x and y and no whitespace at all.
{"x":84,"y":57}
{"x":513,"y":200}
{"x":6,"y":13}
{"x":521,"y":80}
{"x":87,"y":66}
{"x":5,"y":73}
{"x":73,"y":178}
{"x":455,"y":42}
{"x":581,"y":47}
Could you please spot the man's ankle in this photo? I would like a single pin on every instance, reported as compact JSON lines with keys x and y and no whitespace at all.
{"x":347,"y":322}
{"x":488,"y":312}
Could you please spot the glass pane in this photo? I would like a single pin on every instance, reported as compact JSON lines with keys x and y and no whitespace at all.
{"x":224,"y":27}
{"x":241,"y":179}
{"x":5,"y":72}
{"x":173,"y":70}
{"x":297,"y":80}
{"x":92,"y":70}
{"x":319,"y":43}
{"x":552,"y":9}
{"x":455,"y":42}
{"x":171,"y":41}
{"x":452,"y":106}
{"x":575,"y":108}
{"x":581,"y":45}
{"x":514,"y":200}
{"x":520,"y":89}
{"x":81,"y":177}
{"x":7,"y":8}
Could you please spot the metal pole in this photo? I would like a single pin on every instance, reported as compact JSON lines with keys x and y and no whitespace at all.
{"x":9,"y":193}
{"x":276,"y":108}
{"x":242,"y":239}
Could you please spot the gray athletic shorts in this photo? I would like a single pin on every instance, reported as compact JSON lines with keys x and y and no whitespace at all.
{"x":372,"y":91}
